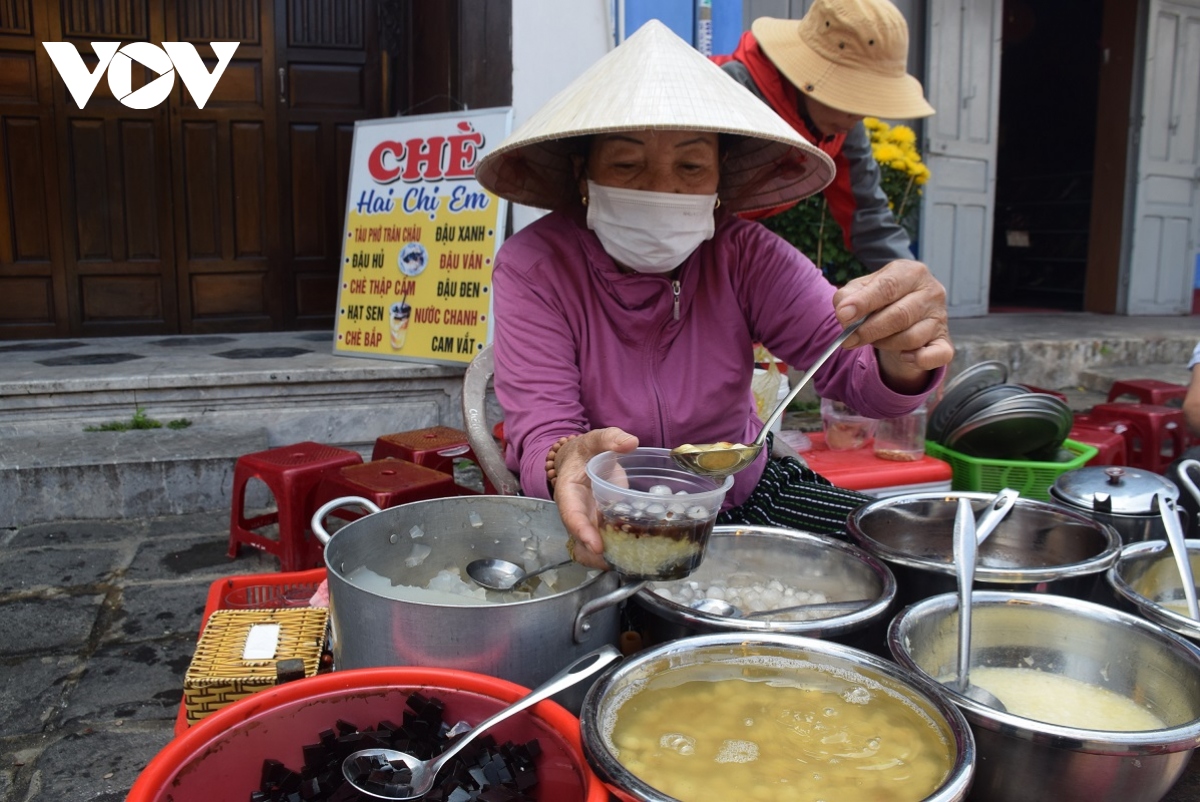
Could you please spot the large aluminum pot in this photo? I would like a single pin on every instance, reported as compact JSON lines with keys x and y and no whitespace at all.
{"x":525,"y":642}
{"x":741,"y":556}
{"x":1118,"y":496}
{"x":1146,"y":580}
{"x":1037,"y":548}
{"x":1027,"y":760}
{"x":768,"y":658}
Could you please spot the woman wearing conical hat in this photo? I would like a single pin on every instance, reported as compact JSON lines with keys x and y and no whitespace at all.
{"x":627,"y":316}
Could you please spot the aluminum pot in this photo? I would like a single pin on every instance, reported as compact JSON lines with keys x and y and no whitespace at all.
{"x":1037,"y":548}
{"x":761,"y":655}
{"x":1117,"y":496}
{"x":1023,"y":760}
{"x":525,"y":642}
{"x":1146,"y":578}
{"x":744,"y":555}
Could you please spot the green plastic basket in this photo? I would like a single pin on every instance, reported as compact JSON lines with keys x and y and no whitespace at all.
{"x":1031,"y":479}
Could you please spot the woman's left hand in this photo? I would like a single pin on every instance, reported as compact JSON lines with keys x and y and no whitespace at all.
{"x":909,"y":325}
{"x":573,"y":491}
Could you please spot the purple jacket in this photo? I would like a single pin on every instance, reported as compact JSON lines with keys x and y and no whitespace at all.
{"x":578,"y":345}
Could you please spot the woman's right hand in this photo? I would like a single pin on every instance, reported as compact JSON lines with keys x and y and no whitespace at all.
{"x":573,"y":491}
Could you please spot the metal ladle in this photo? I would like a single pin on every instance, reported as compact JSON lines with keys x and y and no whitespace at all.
{"x":964,"y":561}
{"x":1183,"y":561}
{"x":360,"y":765}
{"x":723,"y":608}
{"x":496,"y":574}
{"x":719,"y":460}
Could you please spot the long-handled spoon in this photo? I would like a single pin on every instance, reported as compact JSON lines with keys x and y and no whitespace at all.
{"x":994,"y":513}
{"x":1183,"y":562}
{"x":719,"y":460}
{"x":364,"y":764}
{"x":964,"y":560}
{"x":496,"y":574}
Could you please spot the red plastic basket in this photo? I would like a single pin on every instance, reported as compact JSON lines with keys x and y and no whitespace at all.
{"x":255,"y":591}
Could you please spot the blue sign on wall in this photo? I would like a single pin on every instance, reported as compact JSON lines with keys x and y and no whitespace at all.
{"x":681,"y":17}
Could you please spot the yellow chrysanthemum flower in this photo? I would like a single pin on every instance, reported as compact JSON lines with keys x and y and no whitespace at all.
{"x":874,"y":124}
{"x":902,"y":135}
{"x":886,"y":153}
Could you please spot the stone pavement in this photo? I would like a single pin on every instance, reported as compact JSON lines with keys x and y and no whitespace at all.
{"x":100,"y":619}
{"x":99,"y":622}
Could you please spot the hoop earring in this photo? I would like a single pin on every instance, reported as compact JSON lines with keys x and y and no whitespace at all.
{"x":718,"y":204}
{"x":584,"y":200}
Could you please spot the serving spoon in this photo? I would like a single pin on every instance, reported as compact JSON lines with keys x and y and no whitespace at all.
{"x":496,"y":574}
{"x":368,"y":770}
{"x":719,"y":460}
{"x":964,"y":559}
{"x":723,"y":608}
{"x":1183,"y":562}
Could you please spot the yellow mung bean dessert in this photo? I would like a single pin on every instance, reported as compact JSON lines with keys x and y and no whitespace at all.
{"x":781,"y":730}
{"x":1065,"y":701}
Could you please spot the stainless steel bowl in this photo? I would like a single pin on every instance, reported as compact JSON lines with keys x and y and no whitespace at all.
{"x":1145,"y":576}
{"x":727,"y":655}
{"x":1037,"y":548}
{"x":1022,"y":760}
{"x":802,"y":560}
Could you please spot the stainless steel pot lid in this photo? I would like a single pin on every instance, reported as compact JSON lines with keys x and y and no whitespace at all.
{"x":1115,"y":489}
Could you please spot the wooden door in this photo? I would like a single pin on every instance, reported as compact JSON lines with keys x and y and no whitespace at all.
{"x":963,"y":52}
{"x":1166,"y":219}
{"x":226,"y":198}
{"x":115,"y":183}
{"x":327,"y":75}
{"x":32,"y":287}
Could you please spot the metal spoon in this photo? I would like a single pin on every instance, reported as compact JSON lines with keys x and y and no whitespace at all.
{"x":994,"y":513}
{"x":359,"y":766}
{"x":719,"y":460}
{"x":1183,"y":562}
{"x":723,"y":608}
{"x":496,"y":574}
{"x":964,"y":560}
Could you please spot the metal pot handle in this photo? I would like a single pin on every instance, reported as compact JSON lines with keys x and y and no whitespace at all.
{"x":1185,"y":478}
{"x":318,"y":519}
{"x":582,"y":623}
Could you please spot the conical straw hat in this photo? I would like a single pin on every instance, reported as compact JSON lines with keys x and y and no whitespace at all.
{"x":655,"y":80}
{"x":850,"y":55}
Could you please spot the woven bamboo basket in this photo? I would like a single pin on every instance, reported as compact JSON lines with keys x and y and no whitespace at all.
{"x":220,"y":674}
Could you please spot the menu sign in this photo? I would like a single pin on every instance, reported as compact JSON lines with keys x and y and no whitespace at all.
{"x":421,"y":234}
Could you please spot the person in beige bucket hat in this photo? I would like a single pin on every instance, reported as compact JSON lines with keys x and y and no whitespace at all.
{"x":627,"y":315}
{"x":845,"y":60}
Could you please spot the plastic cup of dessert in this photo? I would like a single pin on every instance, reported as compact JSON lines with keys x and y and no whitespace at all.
{"x":655,"y":517}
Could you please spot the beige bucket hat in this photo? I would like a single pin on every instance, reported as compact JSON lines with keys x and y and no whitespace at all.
{"x":655,"y":80}
{"x":848,"y":54}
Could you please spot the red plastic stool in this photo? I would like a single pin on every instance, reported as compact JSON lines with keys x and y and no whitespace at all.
{"x":1148,"y":391}
{"x":1110,"y":445}
{"x":388,"y":482}
{"x":1156,"y":436}
{"x":290,"y":473}
{"x":1034,"y":389}
{"x":435,"y":447}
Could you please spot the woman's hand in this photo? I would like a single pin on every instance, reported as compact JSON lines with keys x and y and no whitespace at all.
{"x":909,"y":329}
{"x":573,"y":490}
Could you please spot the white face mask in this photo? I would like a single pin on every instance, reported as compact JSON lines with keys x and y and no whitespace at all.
{"x":650,"y":232}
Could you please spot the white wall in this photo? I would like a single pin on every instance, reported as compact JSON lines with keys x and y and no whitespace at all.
{"x":553,"y":43}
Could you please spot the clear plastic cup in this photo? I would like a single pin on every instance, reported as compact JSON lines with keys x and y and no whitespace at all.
{"x":656,"y":517}
{"x":901,"y":439}
{"x":845,"y":429}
